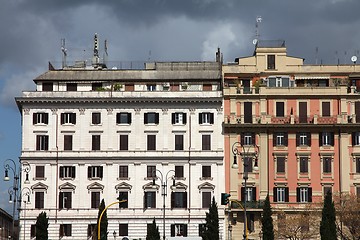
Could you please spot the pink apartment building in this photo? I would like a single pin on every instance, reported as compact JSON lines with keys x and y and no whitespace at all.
{"x":296,"y":130}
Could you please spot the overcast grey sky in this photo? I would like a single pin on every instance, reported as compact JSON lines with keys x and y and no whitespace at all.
{"x":31,"y":33}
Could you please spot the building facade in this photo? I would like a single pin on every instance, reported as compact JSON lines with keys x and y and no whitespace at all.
{"x":298,"y":123}
{"x":92,"y":133}
{"x":6,"y":225}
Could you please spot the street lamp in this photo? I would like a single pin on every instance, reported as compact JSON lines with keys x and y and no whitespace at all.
{"x":25,"y":197}
{"x":246,"y":156}
{"x":164,"y":190}
{"x":10,"y":164}
{"x":114,"y":234}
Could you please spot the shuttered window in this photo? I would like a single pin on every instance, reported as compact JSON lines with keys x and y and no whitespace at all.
{"x":68,"y":142}
{"x":326,"y":109}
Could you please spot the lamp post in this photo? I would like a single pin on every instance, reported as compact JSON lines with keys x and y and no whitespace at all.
{"x":245,"y":154}
{"x":114,"y":234}
{"x":164,"y":190}
{"x":10,"y":164}
{"x":25,"y":198}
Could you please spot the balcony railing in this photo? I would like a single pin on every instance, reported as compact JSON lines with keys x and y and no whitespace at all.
{"x":292,"y":119}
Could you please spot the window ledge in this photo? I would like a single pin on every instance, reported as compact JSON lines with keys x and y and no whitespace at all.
{"x":206,"y":178}
{"x":40,"y":178}
{"x":67,"y":178}
{"x":95,"y":178}
{"x":123,"y":178}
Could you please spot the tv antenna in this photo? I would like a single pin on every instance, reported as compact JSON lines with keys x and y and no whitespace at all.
{"x":64,"y":51}
{"x":257,"y":31}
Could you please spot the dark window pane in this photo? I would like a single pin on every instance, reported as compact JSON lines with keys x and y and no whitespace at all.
{"x":39,"y":200}
{"x":179,"y":142}
{"x":96,"y":118}
{"x":280,"y":164}
{"x":48,"y":86}
{"x":326,"y":109}
{"x":71,"y":87}
{"x":124,"y":142}
{"x":95,"y":142}
{"x":123,"y":230}
{"x":179,"y":171}
{"x":206,"y":171}
{"x":95,"y":199}
{"x":247,"y":112}
{"x":270,"y":61}
{"x":280,"y":109}
{"x":151,"y":171}
{"x":206,"y":142}
{"x":96,"y":86}
{"x":123,"y":172}
{"x":40,"y":172}
{"x":151,"y":142}
{"x":68,"y":140}
{"x":206,"y":199}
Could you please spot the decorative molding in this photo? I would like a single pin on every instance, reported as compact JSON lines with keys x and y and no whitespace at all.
{"x":82,"y":111}
{"x":109,"y":111}
{"x":26,"y":111}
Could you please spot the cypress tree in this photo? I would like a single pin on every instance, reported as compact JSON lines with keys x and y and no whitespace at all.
{"x":42,"y":223}
{"x":267,"y":221}
{"x":212,"y":223}
{"x":153,"y":232}
{"x":104,"y":222}
{"x":327,"y":224}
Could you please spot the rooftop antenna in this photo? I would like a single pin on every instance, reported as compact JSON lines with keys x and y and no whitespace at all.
{"x":149,"y":58}
{"x":106,"y":52}
{"x":96,"y":58}
{"x":64,"y":51}
{"x":257,"y":30}
{"x":316,"y":55}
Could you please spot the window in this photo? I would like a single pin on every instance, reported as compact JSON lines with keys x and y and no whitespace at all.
{"x":65,"y":200}
{"x":67,"y":172}
{"x":250,"y":218}
{"x":326,"y":139}
{"x":95,"y":199}
{"x":71,"y":87}
{"x":249,"y":193}
{"x":356,"y":138}
{"x":179,"y":171}
{"x":206,"y":171}
{"x":95,"y":172}
{"x":206,"y":199}
{"x":65,"y":230}
{"x":280,"y":109}
{"x":202,"y":229}
{"x":178,"y":199}
{"x":151,"y":118}
{"x":304,"y":162}
{"x":123,"y":229}
{"x":281,"y":194}
{"x":96,"y":118}
{"x":271,"y":61}
{"x":40,"y":172}
{"x":206,"y":142}
{"x":178,"y":230}
{"x":303,"y":118}
{"x":123,"y":118}
{"x":68,"y":142}
{"x":248,"y":112}
{"x":178,"y":118}
{"x":326,"y":109}
{"x":280,"y":139}
{"x":96,"y":86}
{"x":68,"y":118}
{"x":42,"y":142}
{"x":91,"y":231}
{"x":123,"y":172}
{"x":248,"y":138}
{"x":327,"y":164}
{"x":179,"y":142}
{"x":303,"y":194}
{"x":357,"y":163}
{"x":39,"y":200}
{"x":151,"y":142}
{"x":303,"y":139}
{"x":151,"y":87}
{"x":327,"y":189}
{"x":207,"y":87}
{"x":40,"y":118}
{"x":280,"y":164}
{"x":150,"y":200}
{"x":33,"y":231}
{"x":124,"y":142}
{"x":123,"y":196}
{"x":206,"y":118}
{"x":95,"y":142}
{"x":151,"y":172}
{"x":47,"y":87}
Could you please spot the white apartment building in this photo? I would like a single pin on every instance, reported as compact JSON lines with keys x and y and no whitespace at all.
{"x":92,"y":133}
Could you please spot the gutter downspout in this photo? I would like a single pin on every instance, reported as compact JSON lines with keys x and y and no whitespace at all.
{"x":57,"y":167}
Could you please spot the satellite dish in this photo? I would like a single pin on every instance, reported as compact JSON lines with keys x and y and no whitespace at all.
{"x":354,"y":59}
{"x":255,"y":41}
